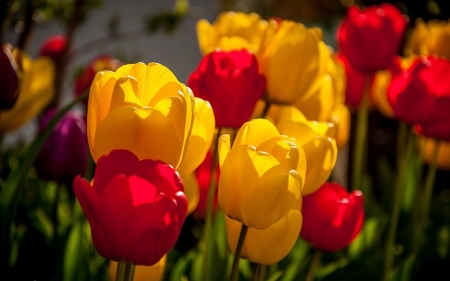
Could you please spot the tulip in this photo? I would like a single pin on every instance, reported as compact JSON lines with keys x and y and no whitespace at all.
{"x":231,"y":31}
{"x":332,"y":218}
{"x":292,"y":58}
{"x":200,"y":138}
{"x":370,"y":38}
{"x":53,"y":47}
{"x":35,"y":92}
{"x":9,"y":82}
{"x":99,"y":63}
{"x":141,"y":108}
{"x":429,"y":38}
{"x":259,"y":182}
{"x":420,"y":95}
{"x":135,"y":208}
{"x":270,"y":245}
{"x":64,"y":155}
{"x":327,"y":103}
{"x":317,"y":141}
{"x":231,"y":82}
{"x":142,"y":273}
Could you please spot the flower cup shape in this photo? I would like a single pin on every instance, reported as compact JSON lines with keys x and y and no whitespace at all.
{"x":231,"y":82}
{"x":35,"y":91}
{"x":65,"y":153}
{"x":370,"y":38}
{"x":261,"y":175}
{"x":141,"y":108}
{"x":231,"y":31}
{"x":420,"y":95}
{"x":292,"y":58}
{"x":270,"y":245}
{"x":135,"y":208}
{"x":316,"y":139}
{"x":332,"y":218}
{"x":9,"y":81}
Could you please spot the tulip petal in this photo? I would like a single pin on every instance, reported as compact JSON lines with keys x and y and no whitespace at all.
{"x":256,"y":132}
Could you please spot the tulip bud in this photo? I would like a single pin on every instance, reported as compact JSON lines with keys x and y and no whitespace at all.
{"x":332,"y":218}
{"x":9,"y":81}
{"x":65,"y":154}
{"x":135,"y":208}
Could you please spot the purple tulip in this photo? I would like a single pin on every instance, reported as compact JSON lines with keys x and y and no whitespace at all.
{"x":64,"y":155}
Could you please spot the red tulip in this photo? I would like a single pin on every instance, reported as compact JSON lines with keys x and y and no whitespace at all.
{"x":9,"y":82}
{"x":135,"y":208}
{"x":203,"y":175}
{"x":332,"y":217}
{"x":53,"y":47}
{"x":231,"y":82}
{"x":420,"y":95}
{"x":65,"y":154}
{"x":370,"y":38}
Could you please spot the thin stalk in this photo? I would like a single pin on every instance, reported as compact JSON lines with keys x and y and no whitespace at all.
{"x":256,"y":272}
{"x":314,"y":263}
{"x":120,"y":272}
{"x":265,"y":110}
{"x":237,"y":254}
{"x":129,"y":272}
{"x":396,"y":205}
{"x":427,"y":196}
{"x":209,"y":206}
{"x":362,"y":117}
{"x":262,"y":272}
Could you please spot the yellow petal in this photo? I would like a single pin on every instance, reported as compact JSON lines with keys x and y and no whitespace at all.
{"x":256,"y":132}
{"x":192,"y":192}
{"x":36,"y":91}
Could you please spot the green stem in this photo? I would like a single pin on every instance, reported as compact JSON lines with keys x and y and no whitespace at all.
{"x":362,"y":116}
{"x":129,"y":272}
{"x":427,"y":196}
{"x":256,"y":271}
{"x":120,"y":272}
{"x":209,"y":208}
{"x":262,"y":272}
{"x":237,"y":254}
{"x":389,"y":250}
{"x":314,"y":263}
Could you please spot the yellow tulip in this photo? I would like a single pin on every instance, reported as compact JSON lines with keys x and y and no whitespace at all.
{"x":430,"y":38}
{"x":141,"y":272}
{"x":317,"y":140}
{"x":259,"y":182}
{"x":35,"y":92}
{"x":293,"y":58}
{"x":270,"y":245}
{"x":200,"y":138}
{"x":231,"y":31}
{"x":192,"y":192}
{"x":427,"y":146}
{"x":141,"y":108}
{"x":326,"y":104}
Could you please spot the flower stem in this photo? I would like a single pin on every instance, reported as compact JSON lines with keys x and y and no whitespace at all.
{"x":120,"y":272}
{"x":314,"y":263}
{"x":209,"y":205}
{"x":395,"y":212}
{"x":256,"y":272}
{"x":362,"y":116}
{"x":129,"y":272}
{"x":237,"y":254}
{"x":262,"y":272}
{"x":426,"y":198}
{"x":125,"y":271}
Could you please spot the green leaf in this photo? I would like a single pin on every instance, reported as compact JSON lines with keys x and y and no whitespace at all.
{"x":74,"y":255}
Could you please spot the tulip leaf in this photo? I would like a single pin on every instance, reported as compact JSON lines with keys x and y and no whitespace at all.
{"x":14,"y":187}
{"x":180,"y":268}
{"x":74,"y":255}
{"x":367,"y":240}
{"x":277,"y":274}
